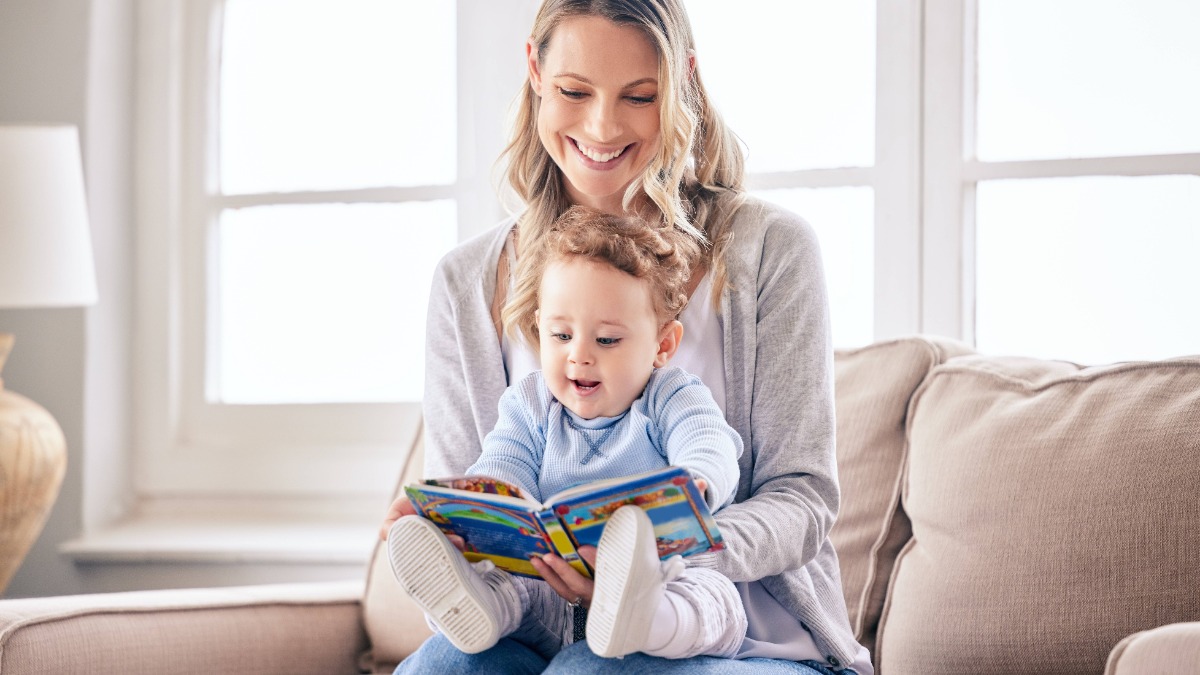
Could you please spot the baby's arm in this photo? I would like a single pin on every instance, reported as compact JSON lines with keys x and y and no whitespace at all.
{"x":694,"y":433}
{"x":513,"y":450}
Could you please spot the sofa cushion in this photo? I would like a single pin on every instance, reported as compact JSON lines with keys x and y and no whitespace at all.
{"x":873,"y":386}
{"x":1054,"y":511}
{"x":395,"y":625}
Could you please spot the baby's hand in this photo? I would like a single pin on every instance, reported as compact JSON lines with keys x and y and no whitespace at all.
{"x":702,"y":484}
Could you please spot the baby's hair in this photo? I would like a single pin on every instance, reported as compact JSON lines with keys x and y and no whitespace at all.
{"x":661,"y":255}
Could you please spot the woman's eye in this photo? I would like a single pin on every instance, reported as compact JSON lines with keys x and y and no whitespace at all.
{"x":643,"y":100}
{"x":572,"y":93}
{"x":608,"y":342}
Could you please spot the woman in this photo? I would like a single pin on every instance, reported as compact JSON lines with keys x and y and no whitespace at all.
{"x":615,"y":117}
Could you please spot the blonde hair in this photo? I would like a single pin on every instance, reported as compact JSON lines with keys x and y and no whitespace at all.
{"x":662,"y":257}
{"x":695,"y":179}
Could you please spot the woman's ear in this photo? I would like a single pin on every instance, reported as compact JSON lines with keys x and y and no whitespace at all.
{"x":691,"y":63}
{"x":535,"y":72}
{"x":668,"y":342}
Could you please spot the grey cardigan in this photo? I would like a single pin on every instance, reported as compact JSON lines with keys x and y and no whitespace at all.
{"x":774,"y":316}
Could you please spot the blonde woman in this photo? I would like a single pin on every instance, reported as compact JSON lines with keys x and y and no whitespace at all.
{"x":615,"y":117}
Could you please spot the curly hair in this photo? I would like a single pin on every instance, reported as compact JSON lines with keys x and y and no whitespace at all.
{"x":662,"y":256}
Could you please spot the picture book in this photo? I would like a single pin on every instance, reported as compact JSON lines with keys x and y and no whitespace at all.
{"x":500,"y":524}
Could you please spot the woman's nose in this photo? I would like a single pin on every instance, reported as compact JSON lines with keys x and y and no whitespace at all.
{"x":604,"y":122}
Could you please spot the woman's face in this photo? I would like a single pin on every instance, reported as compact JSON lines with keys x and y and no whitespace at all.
{"x":598,"y":84}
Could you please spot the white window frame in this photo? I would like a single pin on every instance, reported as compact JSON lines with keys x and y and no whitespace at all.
{"x":951,"y":171}
{"x":186,"y":446}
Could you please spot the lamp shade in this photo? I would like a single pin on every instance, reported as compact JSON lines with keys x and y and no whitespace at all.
{"x":45,"y":243}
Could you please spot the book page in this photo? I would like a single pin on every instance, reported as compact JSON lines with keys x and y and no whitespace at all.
{"x":505,"y":533}
{"x":683,"y":524}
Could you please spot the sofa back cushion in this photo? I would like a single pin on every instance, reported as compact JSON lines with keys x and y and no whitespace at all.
{"x":395,"y":625}
{"x":1054,"y":510}
{"x":873,"y":386}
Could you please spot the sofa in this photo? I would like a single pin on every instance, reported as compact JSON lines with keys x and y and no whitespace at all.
{"x":999,"y":515}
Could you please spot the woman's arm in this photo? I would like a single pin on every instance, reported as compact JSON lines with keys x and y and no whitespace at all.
{"x":788,"y":502}
{"x":464,"y":367}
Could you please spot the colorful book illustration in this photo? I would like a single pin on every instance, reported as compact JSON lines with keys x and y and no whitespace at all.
{"x":500,"y":524}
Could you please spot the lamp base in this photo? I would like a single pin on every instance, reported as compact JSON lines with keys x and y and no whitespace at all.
{"x":33,"y":460}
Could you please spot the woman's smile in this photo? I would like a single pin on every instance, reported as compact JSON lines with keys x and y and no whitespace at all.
{"x":594,"y":157}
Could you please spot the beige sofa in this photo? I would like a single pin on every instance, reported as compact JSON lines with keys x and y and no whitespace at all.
{"x":1000,"y":515}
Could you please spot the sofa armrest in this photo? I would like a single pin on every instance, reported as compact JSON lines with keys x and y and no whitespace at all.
{"x":294,"y":628}
{"x":1174,"y":648}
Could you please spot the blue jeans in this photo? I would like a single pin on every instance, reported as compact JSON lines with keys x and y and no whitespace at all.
{"x":510,"y":657}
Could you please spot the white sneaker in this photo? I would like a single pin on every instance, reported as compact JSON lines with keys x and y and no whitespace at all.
{"x":629,"y":584}
{"x":474,"y":605}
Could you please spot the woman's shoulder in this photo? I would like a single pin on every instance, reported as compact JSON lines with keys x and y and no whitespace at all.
{"x":474,"y":259}
{"x":759,"y":218}
{"x":762,"y":228}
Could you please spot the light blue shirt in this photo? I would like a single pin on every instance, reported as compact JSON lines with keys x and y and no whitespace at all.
{"x":544,"y":448}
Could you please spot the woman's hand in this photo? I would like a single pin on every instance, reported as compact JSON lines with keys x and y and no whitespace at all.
{"x":566,"y":580}
{"x":401,"y":508}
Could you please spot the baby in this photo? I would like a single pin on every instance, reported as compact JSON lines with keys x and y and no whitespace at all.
{"x":604,"y":404}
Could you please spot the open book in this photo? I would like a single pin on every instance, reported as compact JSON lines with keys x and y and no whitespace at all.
{"x":500,"y":524}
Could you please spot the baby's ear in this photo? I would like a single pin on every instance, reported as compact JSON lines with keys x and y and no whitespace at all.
{"x":668,"y":341}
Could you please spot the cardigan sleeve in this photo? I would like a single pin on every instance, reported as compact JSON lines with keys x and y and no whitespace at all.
{"x":464,"y":367}
{"x":788,"y":502}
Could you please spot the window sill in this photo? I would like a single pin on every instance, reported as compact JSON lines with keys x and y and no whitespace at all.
{"x":230,"y":537}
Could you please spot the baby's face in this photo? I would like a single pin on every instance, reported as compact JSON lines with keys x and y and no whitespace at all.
{"x":600,"y":339}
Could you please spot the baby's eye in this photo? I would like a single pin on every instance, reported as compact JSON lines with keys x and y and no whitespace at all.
{"x":560,"y":337}
{"x":607,"y":341}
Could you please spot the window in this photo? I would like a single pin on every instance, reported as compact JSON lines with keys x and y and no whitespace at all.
{"x":809,"y":130}
{"x":308,"y":164}
{"x":1086,"y":193}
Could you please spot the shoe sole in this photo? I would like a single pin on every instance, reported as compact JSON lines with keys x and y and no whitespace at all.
{"x":618,"y":612}
{"x":431,"y":570}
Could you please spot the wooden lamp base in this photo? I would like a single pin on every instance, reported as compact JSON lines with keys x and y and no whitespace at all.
{"x":33,"y":459}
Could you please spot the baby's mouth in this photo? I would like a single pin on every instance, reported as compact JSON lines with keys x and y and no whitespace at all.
{"x":585,"y":386}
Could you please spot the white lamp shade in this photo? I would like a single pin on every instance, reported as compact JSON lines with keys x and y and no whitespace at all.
{"x":45,"y":243}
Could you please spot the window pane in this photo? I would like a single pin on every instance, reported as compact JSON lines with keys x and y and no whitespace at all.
{"x":795,"y":79}
{"x":326,"y":303}
{"x":844,"y":221}
{"x":1092,"y":270}
{"x":1088,"y":78}
{"x":319,"y":95}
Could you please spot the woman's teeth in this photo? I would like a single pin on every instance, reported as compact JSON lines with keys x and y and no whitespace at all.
{"x":598,"y":156}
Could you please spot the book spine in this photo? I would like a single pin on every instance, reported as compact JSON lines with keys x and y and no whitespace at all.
{"x":562,"y":542}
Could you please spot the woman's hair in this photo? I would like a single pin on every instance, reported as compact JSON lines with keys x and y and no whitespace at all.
{"x":660,"y":256}
{"x":694,"y":181}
